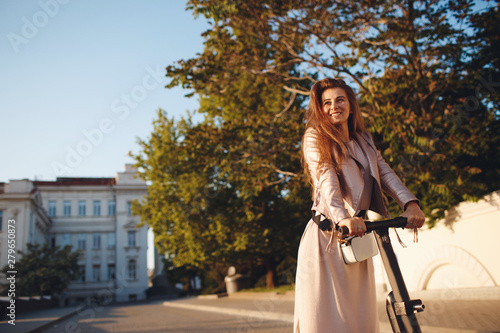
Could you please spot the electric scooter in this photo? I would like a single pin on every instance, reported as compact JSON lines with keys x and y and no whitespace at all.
{"x":401,"y":310}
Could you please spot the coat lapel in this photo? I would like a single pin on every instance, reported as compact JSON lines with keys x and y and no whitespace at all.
{"x":371,"y":155}
{"x":377,"y":202}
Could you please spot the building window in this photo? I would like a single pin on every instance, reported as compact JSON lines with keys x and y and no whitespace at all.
{"x":66,"y":240}
{"x":67,"y":208}
{"x":111,"y":271}
{"x":96,"y":272}
{"x":131,"y":268}
{"x":81,"y":242}
{"x":1,"y":219}
{"x":97,"y":208}
{"x":52,"y":208}
{"x":111,"y":208}
{"x":129,"y":208}
{"x":111,"y":241}
{"x":81,"y":208}
{"x":131,"y":238}
{"x":96,"y":240}
{"x":81,"y":269}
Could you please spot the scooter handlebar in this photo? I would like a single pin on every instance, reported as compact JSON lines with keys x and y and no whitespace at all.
{"x":398,"y":222}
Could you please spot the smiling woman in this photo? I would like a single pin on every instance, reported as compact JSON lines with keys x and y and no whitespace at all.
{"x":347,"y":174}
{"x":336,"y":106}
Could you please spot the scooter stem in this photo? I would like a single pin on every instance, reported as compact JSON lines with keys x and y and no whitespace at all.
{"x":401,"y":310}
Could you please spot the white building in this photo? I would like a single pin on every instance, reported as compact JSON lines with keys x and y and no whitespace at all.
{"x":94,"y":216}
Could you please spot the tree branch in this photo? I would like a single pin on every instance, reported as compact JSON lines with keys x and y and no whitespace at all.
{"x":288,"y":106}
{"x":287,"y":173}
{"x":297,"y":91}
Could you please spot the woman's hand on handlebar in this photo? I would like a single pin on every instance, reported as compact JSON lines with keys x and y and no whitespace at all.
{"x":414,"y":214}
{"x":356,"y":225}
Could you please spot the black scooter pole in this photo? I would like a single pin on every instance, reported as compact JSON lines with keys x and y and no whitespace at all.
{"x":400,"y":308}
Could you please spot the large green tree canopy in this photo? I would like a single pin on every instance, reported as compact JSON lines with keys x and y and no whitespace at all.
{"x":230,"y":187}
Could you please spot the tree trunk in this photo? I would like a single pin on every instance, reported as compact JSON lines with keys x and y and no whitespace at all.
{"x":271,"y":273}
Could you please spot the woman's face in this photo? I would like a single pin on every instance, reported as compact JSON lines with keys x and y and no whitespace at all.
{"x":336,"y":106}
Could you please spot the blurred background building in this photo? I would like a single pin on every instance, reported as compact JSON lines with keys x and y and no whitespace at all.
{"x":94,"y":216}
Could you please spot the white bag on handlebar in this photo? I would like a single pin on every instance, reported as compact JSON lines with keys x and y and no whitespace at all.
{"x":358,"y":249}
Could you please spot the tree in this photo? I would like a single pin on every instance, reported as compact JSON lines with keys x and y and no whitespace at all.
{"x":230,"y":189}
{"x":415,"y":65}
{"x":45,"y":270}
{"x":205,"y":210}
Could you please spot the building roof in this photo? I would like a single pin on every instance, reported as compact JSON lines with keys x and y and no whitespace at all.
{"x":84,"y":181}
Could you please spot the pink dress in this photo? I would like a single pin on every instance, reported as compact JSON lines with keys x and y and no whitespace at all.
{"x":331,"y":296}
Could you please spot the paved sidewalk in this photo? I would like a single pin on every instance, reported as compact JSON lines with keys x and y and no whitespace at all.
{"x":38,"y":321}
{"x":440,"y":316}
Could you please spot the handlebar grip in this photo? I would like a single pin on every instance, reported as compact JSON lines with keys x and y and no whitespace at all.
{"x":398,"y":222}
{"x":343,"y":231}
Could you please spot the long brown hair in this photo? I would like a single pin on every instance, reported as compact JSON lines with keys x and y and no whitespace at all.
{"x":332,"y":149}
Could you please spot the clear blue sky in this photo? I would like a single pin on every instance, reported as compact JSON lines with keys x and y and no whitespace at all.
{"x":81,"y":80}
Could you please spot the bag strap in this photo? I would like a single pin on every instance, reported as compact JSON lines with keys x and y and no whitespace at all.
{"x":325,"y":224}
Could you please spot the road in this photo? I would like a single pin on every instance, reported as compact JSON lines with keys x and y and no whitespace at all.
{"x":154,"y":317}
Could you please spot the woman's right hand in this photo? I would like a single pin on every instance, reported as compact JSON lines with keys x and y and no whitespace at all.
{"x":356,"y":225}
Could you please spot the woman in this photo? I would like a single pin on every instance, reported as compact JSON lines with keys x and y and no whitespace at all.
{"x":347,"y":174}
